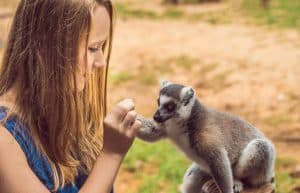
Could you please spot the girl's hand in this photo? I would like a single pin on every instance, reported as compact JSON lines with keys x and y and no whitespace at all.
{"x":120,"y":128}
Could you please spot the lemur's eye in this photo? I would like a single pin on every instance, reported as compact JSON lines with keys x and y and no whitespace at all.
{"x":170,"y":107}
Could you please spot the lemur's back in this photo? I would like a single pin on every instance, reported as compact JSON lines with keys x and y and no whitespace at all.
{"x":232,"y":132}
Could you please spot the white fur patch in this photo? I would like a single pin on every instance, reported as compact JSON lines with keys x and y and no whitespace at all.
{"x":163,"y":99}
{"x":185,"y":111}
{"x":250,"y":152}
{"x":185,"y":91}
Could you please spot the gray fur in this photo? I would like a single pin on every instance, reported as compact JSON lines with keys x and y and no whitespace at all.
{"x":149,"y":131}
{"x":222,"y":145}
{"x":194,"y":179}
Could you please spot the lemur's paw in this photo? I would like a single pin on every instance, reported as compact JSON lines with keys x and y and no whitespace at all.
{"x":238,"y":186}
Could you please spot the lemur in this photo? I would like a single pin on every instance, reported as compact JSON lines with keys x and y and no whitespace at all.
{"x":222,"y":146}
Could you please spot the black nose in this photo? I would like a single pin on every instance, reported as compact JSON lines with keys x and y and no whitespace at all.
{"x":157,"y":117}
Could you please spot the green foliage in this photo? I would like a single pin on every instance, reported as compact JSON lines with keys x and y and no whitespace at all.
{"x":281,"y":13}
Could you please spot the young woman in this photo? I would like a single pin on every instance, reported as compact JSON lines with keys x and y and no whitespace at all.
{"x":55,"y":134}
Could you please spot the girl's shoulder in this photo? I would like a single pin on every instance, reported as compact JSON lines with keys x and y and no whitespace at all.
{"x":17,"y":132}
{"x":18,"y":139}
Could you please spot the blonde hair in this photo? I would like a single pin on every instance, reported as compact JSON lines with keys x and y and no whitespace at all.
{"x":41,"y":60}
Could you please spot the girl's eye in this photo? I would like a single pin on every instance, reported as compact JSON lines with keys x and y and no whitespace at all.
{"x":93,"y":49}
{"x":96,"y":48}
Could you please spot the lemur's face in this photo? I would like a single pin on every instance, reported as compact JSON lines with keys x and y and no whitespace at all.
{"x":167,"y":108}
{"x":175,"y":101}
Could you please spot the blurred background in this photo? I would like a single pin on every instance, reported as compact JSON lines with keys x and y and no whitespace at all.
{"x":241,"y":56}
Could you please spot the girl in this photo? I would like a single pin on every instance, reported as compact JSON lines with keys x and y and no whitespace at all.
{"x":55,"y":134}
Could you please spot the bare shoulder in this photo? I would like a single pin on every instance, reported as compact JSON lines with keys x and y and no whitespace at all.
{"x":15,"y":173}
{"x":8,"y":145}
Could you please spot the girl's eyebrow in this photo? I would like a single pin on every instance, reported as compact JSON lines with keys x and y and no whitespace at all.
{"x":98,"y":42}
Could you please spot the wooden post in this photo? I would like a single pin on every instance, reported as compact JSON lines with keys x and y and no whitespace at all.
{"x":211,"y":187}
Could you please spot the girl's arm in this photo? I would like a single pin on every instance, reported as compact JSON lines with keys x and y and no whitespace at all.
{"x":120,"y":129}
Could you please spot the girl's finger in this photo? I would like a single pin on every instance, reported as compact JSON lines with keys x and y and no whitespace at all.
{"x":129,"y":120}
{"x":134,"y":129}
{"x":122,"y":108}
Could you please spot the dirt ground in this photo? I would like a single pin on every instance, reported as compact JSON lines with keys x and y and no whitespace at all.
{"x":245,"y":70}
{"x":249,"y":71}
{"x":260,"y":68}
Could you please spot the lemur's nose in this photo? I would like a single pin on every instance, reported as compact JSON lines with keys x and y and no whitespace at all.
{"x":157,"y":117}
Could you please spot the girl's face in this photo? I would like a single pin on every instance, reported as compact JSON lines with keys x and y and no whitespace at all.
{"x":95,"y":56}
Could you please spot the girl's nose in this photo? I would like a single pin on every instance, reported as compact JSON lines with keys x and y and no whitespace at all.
{"x":99,"y":61}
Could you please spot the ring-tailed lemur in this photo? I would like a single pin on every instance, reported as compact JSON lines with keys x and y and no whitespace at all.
{"x":222,"y":146}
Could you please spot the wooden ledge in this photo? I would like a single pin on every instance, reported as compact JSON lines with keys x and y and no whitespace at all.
{"x":211,"y":187}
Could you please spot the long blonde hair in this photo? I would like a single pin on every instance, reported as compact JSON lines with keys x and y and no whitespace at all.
{"x":41,"y":60}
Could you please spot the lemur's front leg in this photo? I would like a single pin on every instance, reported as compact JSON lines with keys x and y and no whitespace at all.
{"x":150,"y":131}
{"x":220,"y":168}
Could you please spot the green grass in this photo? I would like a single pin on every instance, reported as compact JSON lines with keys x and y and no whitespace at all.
{"x":120,"y":77}
{"x":193,"y":1}
{"x":284,"y":183}
{"x":278,"y":119}
{"x":167,"y":162}
{"x":281,"y":13}
{"x":205,"y":69}
{"x":173,"y":13}
{"x":170,"y":12}
{"x":125,"y":11}
{"x":212,"y":17}
{"x":183,"y":61}
{"x":160,"y":167}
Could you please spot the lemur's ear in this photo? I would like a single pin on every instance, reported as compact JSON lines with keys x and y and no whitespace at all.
{"x":164,"y":83}
{"x":187,"y":93}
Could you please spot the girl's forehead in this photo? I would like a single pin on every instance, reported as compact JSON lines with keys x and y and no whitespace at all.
{"x":100,"y":24}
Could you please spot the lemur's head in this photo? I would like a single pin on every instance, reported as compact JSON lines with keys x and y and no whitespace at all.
{"x":175,"y":101}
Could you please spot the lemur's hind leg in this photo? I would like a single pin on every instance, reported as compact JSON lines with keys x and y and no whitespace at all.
{"x":193,"y":179}
{"x":256,"y":164}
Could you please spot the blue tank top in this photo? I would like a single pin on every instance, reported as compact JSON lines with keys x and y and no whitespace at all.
{"x":36,"y":160}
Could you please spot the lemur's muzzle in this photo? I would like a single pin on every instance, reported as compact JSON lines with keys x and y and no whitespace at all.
{"x":160,"y":118}
{"x":157,"y":117}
